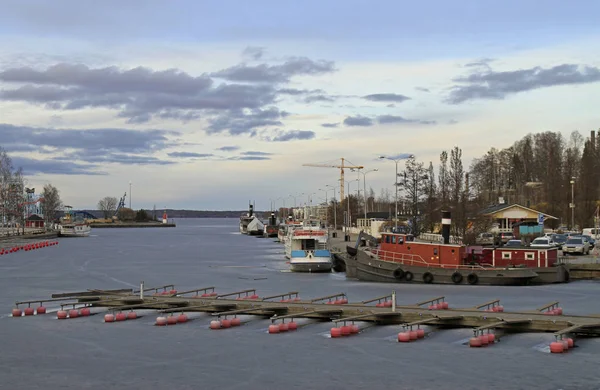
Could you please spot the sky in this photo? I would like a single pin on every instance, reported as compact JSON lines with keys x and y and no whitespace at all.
{"x":208,"y":105}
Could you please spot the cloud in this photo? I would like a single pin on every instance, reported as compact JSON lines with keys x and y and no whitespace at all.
{"x":263,"y":73}
{"x":318,"y":98}
{"x":358,"y":121}
{"x":253,"y":153}
{"x":250,"y":158}
{"x":236,"y":122}
{"x":422,"y":89}
{"x":254,"y":52}
{"x":228,"y":148}
{"x":330,"y":125}
{"x":33,"y":167}
{"x":295,"y":91}
{"x":290,"y":135}
{"x":386,"y":97}
{"x":488,"y":84}
{"x":189,"y":155}
{"x":387,"y":119}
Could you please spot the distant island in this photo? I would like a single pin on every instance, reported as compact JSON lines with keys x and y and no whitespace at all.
{"x":171,"y":213}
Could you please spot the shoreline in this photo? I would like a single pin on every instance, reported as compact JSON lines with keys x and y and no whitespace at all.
{"x":131,"y":225}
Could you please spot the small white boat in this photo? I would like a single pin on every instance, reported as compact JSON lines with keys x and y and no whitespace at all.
{"x":245,"y":219}
{"x":307,"y":247}
{"x":70,"y":226}
{"x":255,"y":227}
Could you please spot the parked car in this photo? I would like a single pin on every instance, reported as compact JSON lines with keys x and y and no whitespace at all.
{"x":505,"y":237}
{"x":559,"y":239}
{"x":485,"y":239}
{"x":543,"y":242}
{"x":514,"y":243}
{"x":576,"y":245}
{"x":590,"y":240}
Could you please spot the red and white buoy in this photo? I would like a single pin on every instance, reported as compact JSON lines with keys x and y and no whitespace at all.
{"x":557,"y":347}
{"x":120,"y":317}
{"x":165,"y":217}
{"x":85,"y":312}
{"x":403,"y":337}
{"x":225,"y":323}
{"x":109,"y":317}
{"x":161,"y":321}
{"x":28,"y":311}
{"x":41,"y":310}
{"x":273,"y":328}
{"x":236,"y":322}
{"x":131,"y":315}
{"x":292,"y":325}
{"x":335,"y":332}
{"x":171,"y":320}
{"x":16,"y":312}
{"x":346,"y":330}
{"x":182,"y":318}
{"x":215,"y":324}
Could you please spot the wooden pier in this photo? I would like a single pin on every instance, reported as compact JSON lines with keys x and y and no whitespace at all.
{"x":383,"y":310}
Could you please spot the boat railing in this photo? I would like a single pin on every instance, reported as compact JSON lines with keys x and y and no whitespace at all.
{"x":417,"y":260}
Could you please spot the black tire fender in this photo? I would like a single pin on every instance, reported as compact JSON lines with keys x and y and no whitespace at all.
{"x":472,"y":278}
{"x":428,"y":277}
{"x":457,"y":277}
{"x":398,"y":273}
{"x":408,"y":276}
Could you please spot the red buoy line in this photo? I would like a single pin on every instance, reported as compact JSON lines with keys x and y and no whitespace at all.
{"x":27,"y":247}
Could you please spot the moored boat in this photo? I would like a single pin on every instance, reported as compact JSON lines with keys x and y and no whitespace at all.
{"x":70,"y":226}
{"x":307,"y":248}
{"x":271,"y":229}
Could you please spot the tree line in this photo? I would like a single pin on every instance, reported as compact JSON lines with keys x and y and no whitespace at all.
{"x":14,"y":196}
{"x":542,"y":171}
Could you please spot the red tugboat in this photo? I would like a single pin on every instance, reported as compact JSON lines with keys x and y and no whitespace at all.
{"x":399,"y":258}
{"x":272,"y":228}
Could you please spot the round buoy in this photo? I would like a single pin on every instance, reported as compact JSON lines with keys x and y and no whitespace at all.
{"x":28,"y":311}
{"x":120,"y":316}
{"x":84,"y":312}
{"x":131,"y":315}
{"x":337,"y":302}
{"x":61,"y":314}
{"x":484,"y":340}
{"x":41,"y":310}
{"x":225,"y":323}
{"x":344,"y":301}
{"x":556,"y":347}
{"x":274,"y":328}
{"x":109,"y":318}
{"x":565,"y":345}
{"x":500,"y":309}
{"x":171,"y":320}
{"x":213,"y":294}
{"x":297,"y":299}
{"x":432,"y":307}
{"x":182,"y":318}
{"x":379,"y":304}
{"x":335,"y":332}
{"x":236,"y":322}
{"x":420,"y":333}
{"x":387,"y":304}
{"x":73,"y":313}
{"x":558,"y":311}
{"x":16,"y":312}
{"x":283,"y":327}
{"x":172,"y":292}
{"x":215,"y":324}
{"x":164,"y":293}
{"x":413,"y":335}
{"x":161,"y":321}
{"x":403,"y":337}
{"x":331,"y":303}
{"x":570,"y":342}
{"x":253,"y":296}
{"x":445,"y":305}
{"x":491,"y":338}
{"x":474,"y":342}
{"x":354,"y":329}
{"x":345,"y":330}
{"x":292,"y":325}
{"x":284,"y":300}
{"x":205,"y":295}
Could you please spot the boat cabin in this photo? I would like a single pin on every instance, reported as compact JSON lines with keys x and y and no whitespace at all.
{"x":520,"y":256}
{"x":396,"y":246}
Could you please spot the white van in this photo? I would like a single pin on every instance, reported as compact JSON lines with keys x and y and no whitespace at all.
{"x":593,"y":232}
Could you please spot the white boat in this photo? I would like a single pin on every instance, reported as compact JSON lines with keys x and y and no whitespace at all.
{"x":245,"y":219}
{"x":307,"y":247}
{"x":255,"y":227}
{"x":71,"y":226}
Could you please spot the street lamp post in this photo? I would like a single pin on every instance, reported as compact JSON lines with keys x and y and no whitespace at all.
{"x":396,"y":160}
{"x":348,"y":219}
{"x":572,"y":203}
{"x":334,"y":208}
{"x":365,"y":188}
{"x":130,"y":194}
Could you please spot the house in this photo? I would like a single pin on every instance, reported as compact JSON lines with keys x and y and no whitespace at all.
{"x":509,"y":216}
{"x":34,"y":221}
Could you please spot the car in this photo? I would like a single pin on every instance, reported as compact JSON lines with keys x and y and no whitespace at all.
{"x":485,"y":239}
{"x":576,"y":245}
{"x":513,"y":243}
{"x":559,"y":239}
{"x":504,"y":237}
{"x":543,"y":242}
{"x":590,"y":240}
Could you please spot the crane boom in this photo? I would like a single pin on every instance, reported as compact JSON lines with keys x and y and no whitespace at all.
{"x":341,"y":168}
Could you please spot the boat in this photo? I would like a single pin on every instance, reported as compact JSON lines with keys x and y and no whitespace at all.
{"x":401,"y":258}
{"x":307,"y":247}
{"x":250,"y":224}
{"x":71,"y":226}
{"x":272,"y":229}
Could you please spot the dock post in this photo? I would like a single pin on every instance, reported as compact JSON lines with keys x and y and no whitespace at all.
{"x":394,"y":300}
{"x":142,"y":289}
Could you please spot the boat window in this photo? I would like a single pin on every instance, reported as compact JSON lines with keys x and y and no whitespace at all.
{"x":387,"y":239}
{"x":435,"y":251}
{"x":529,"y":256}
{"x":506,"y":255}
{"x":393,"y":239}
{"x":400,"y":240}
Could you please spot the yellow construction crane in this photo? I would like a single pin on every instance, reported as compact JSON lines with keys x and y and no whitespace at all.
{"x":341,"y":167}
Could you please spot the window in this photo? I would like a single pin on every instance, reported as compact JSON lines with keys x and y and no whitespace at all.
{"x":506,"y":255}
{"x":529,"y":256}
{"x":393,"y":239}
{"x":435,"y":251}
{"x":400,"y":240}
{"x":387,"y":239}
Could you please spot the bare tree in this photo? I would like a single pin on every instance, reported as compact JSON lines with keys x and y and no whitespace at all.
{"x":52,"y":203}
{"x":108,"y":205}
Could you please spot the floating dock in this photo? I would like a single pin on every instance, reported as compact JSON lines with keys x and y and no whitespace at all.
{"x":488,"y":320}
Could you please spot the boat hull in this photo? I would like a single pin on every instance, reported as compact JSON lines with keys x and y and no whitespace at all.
{"x":271,"y":231}
{"x":367,"y":267}
{"x":317,"y":265}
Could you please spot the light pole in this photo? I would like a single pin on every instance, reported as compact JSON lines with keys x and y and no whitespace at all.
{"x":365,"y":188}
{"x":348,"y":219}
{"x":572,"y":203}
{"x":396,"y":160}
{"x":130,"y":194}
{"x":334,"y":209}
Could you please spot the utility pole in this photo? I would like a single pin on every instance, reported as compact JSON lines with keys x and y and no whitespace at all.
{"x":130,"y":194}
{"x":572,"y":203}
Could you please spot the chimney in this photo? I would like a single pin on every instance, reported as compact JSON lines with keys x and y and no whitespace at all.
{"x":446,"y":222}
{"x":251,"y":210}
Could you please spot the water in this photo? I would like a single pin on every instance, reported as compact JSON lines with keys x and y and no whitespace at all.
{"x":85,"y":353}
